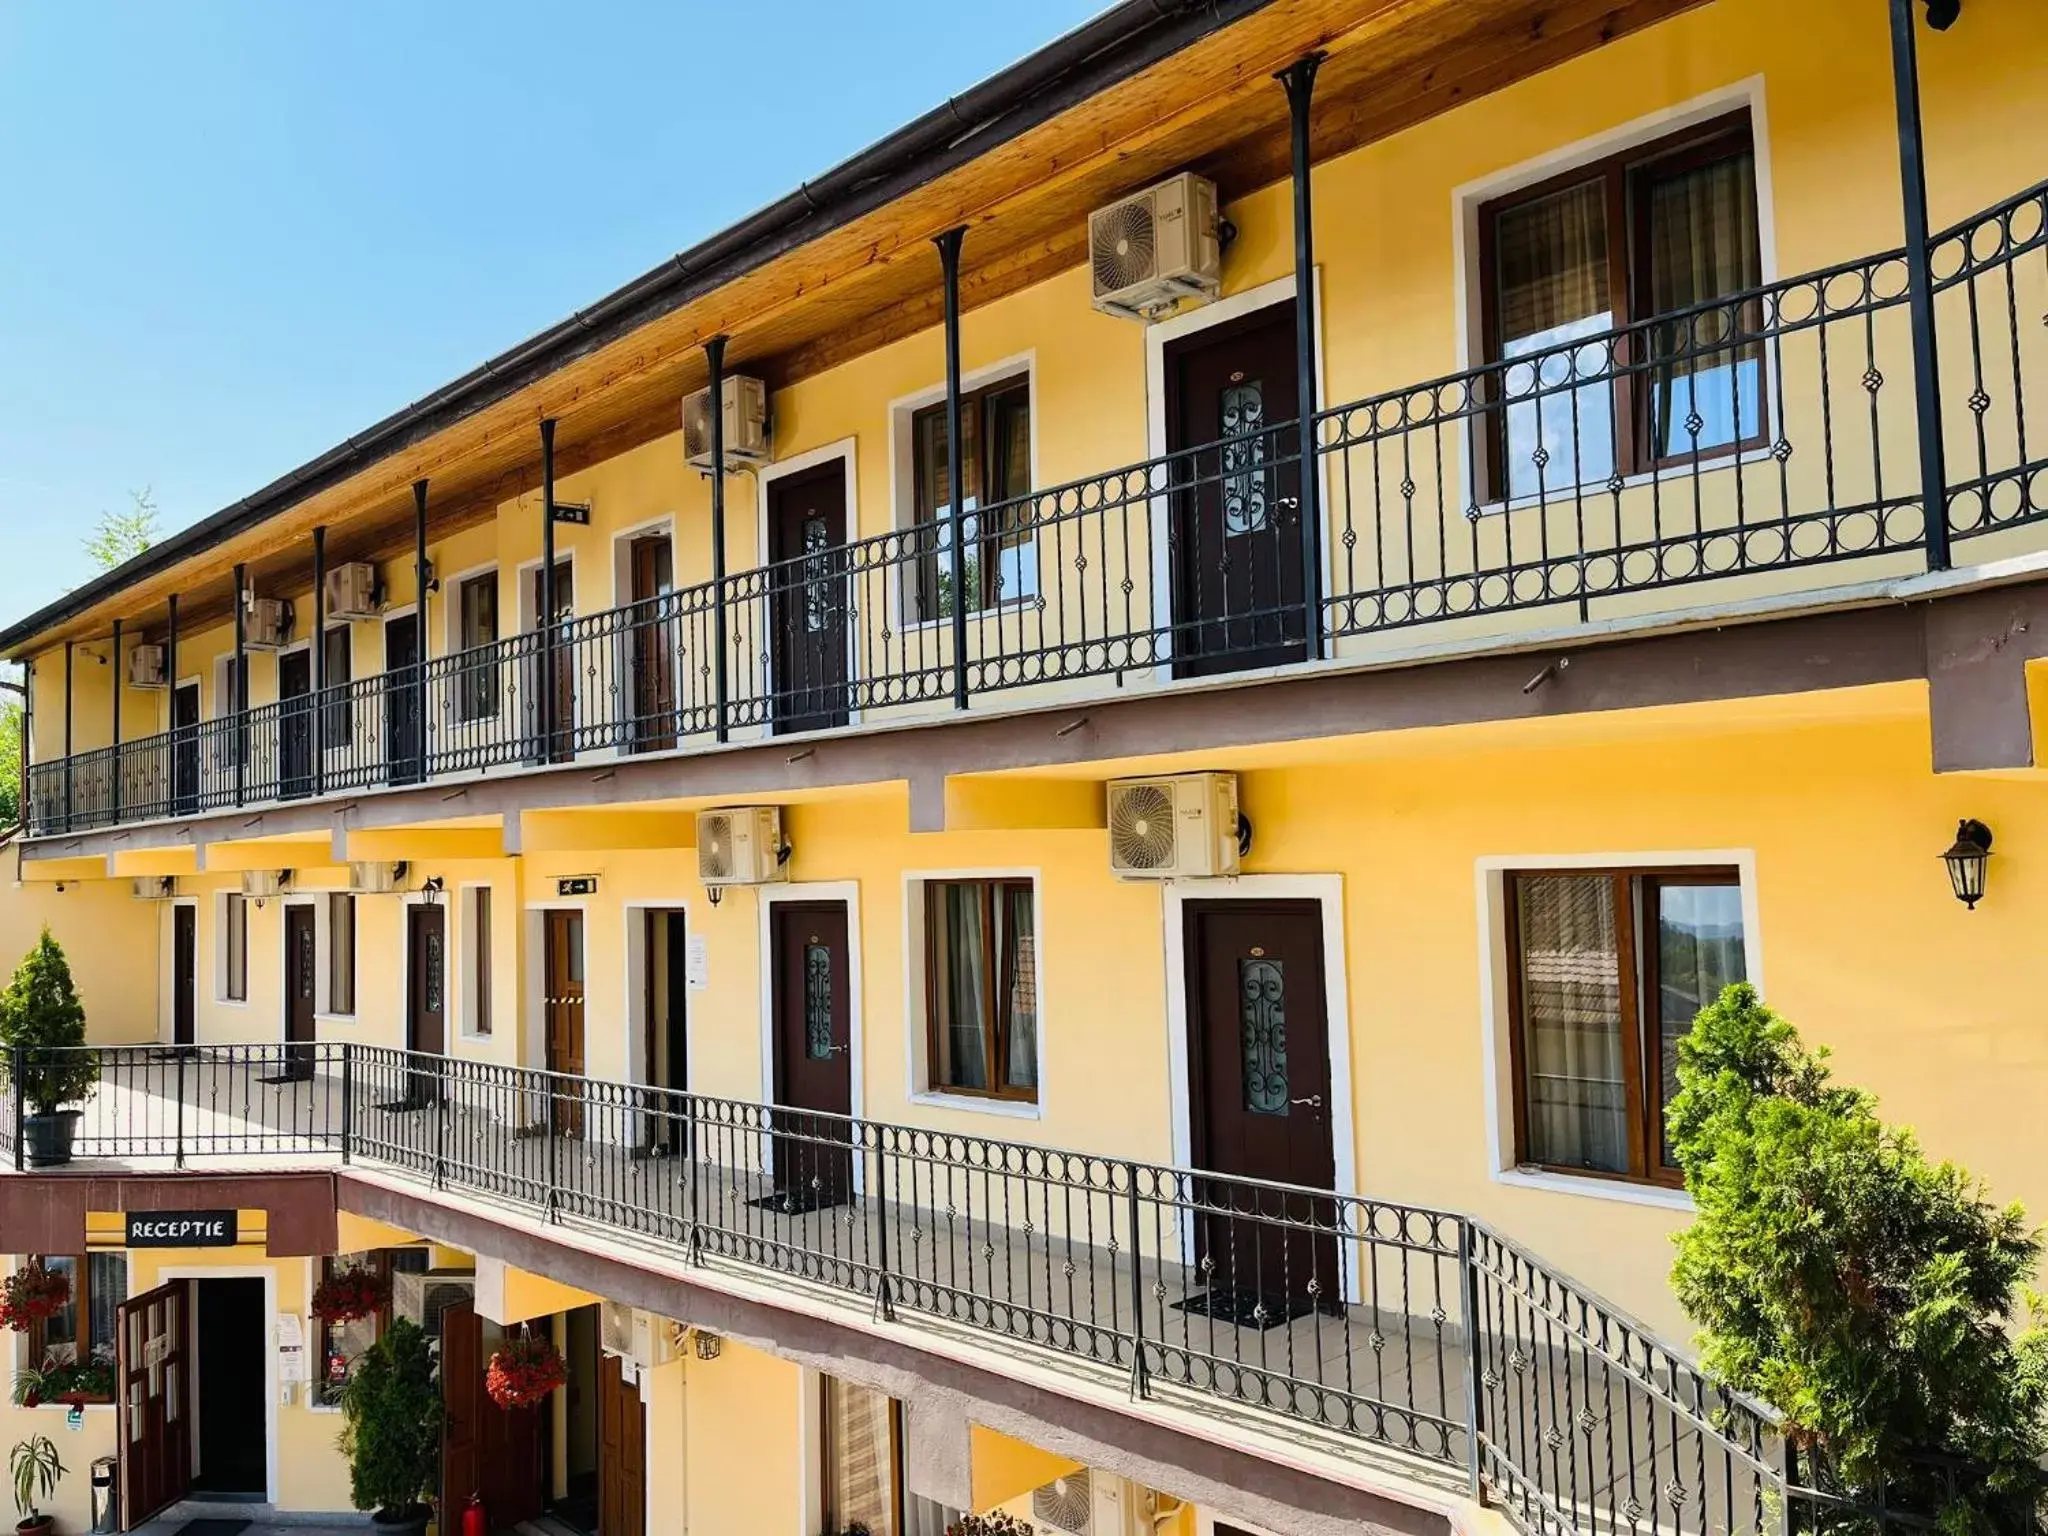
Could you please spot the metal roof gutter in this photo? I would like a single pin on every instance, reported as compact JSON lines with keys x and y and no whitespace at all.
{"x":1125,"y":40}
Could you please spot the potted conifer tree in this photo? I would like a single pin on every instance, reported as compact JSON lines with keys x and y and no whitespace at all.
{"x":42,"y":1025}
{"x":391,"y":1410}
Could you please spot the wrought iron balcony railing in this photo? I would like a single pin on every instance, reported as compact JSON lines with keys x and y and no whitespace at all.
{"x":1360,"y":1325}
{"x":1746,"y":442}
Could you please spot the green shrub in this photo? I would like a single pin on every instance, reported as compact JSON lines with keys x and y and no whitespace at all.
{"x":42,"y":1019}
{"x":1872,"y":1296}
{"x":391,"y":1410}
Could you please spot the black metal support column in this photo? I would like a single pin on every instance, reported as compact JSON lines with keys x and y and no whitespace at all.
{"x":319,"y":659}
{"x":546,"y":681}
{"x":28,"y":733}
{"x":714,"y":362}
{"x":1920,"y":284}
{"x":949,"y":266}
{"x":114,"y":770}
{"x":241,"y":726}
{"x":1300,"y":80}
{"x":67,"y":736}
{"x":421,"y":576}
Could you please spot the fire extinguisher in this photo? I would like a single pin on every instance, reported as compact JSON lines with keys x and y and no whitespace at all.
{"x":473,"y":1521}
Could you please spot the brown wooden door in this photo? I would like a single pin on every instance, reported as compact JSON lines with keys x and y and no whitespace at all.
{"x":426,"y":997}
{"x":562,"y":746}
{"x":1259,"y":1053}
{"x":654,"y":643}
{"x":486,"y":1451}
{"x":808,"y":597}
{"x":665,"y":1045}
{"x":813,"y":1054}
{"x":621,"y":1453}
{"x":301,"y":978}
{"x":152,"y":1361}
{"x":563,"y":1002}
{"x":1231,"y":401}
{"x":184,"y":975}
{"x":185,"y":748}
{"x":295,"y":723}
{"x":405,"y":720}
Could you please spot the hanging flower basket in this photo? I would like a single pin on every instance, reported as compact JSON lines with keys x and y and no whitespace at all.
{"x":352,"y":1294}
{"x":32,"y":1294}
{"x":525,"y":1369}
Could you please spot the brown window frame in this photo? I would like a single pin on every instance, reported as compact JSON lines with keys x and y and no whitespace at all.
{"x":235,"y":980}
{"x":981,"y":403}
{"x":994,"y":908}
{"x":477,"y":693}
{"x":1635,"y":891}
{"x":898,"y":1497}
{"x":81,"y":1300}
{"x":326,"y":1392}
{"x":1623,"y":174}
{"x":480,"y":958}
{"x":337,"y":970}
{"x":337,"y":647}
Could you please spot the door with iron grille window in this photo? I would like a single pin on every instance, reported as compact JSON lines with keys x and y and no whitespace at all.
{"x":295,"y":723}
{"x":1261,"y":1096}
{"x":152,"y":1359}
{"x":1232,"y":397}
{"x":426,"y":988}
{"x":809,"y":597}
{"x":654,"y":637}
{"x":813,"y":1053}
{"x":563,"y":973}
{"x":301,"y":978}
{"x":405,"y":723}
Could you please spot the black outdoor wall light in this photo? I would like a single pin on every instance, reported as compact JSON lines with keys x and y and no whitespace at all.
{"x":1966,"y":859}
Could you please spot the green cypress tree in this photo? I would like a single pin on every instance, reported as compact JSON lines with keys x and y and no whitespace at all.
{"x":43,"y":1022}
{"x":1873,"y":1296}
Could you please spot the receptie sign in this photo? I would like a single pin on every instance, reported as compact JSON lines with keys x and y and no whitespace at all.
{"x":181,"y":1229}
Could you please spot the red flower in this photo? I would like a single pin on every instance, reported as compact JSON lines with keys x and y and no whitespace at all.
{"x":523,"y":1370}
{"x":349,"y":1295}
{"x":33,"y":1294}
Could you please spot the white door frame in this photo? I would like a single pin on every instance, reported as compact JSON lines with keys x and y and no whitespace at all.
{"x":845,"y":450}
{"x":772,"y":896}
{"x":268,"y":1275}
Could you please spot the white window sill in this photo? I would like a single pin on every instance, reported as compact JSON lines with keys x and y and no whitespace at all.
{"x":1002,"y":1109}
{"x":337,"y":1018}
{"x":1617,"y":1190}
{"x":231,"y":1002}
{"x":67,"y":1407}
{"x":1590,"y":491}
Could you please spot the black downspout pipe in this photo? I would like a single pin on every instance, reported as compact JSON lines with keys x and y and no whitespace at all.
{"x":1300,"y":80}
{"x":114,"y":771}
{"x":419,"y":651}
{"x":547,"y":590}
{"x":171,"y":697}
{"x":28,"y":729}
{"x":67,"y":735}
{"x":319,"y":730}
{"x":241,"y":683}
{"x":949,"y":266}
{"x":1920,"y":285}
{"x":714,"y":362}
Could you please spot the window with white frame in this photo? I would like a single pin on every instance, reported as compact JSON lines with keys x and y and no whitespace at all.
{"x":234,"y":947}
{"x":981,"y":987}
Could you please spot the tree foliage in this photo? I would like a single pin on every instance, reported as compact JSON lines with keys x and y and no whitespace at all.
{"x":391,"y":1411}
{"x":10,"y":763}
{"x":120,"y":536}
{"x":1872,"y":1295}
{"x":43,"y":1024}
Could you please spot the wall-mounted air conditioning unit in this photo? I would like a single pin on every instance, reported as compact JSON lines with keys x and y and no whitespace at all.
{"x":155,"y":887}
{"x":1157,"y":249}
{"x":352,"y":591}
{"x":1090,"y":1503}
{"x":375,"y":877}
{"x":746,"y":423}
{"x":262,"y":884}
{"x":1183,"y":826}
{"x":146,"y":667}
{"x":268,"y":626}
{"x":649,"y":1341}
{"x":423,"y":1298}
{"x":741,"y":845}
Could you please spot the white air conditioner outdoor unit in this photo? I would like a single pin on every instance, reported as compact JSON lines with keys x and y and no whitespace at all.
{"x":269,"y":624}
{"x":155,"y":887}
{"x":1184,"y":826}
{"x":374,"y":877}
{"x":741,"y":845}
{"x":262,"y":884}
{"x":146,"y":667}
{"x":1090,"y":1503}
{"x":352,"y":591}
{"x":1157,"y":248}
{"x":649,"y":1341}
{"x":746,"y":423}
{"x":424,"y":1297}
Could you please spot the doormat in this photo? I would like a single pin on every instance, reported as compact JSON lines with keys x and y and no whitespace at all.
{"x":407,"y":1106}
{"x":211,"y":1527}
{"x":799,"y":1202}
{"x":289,"y":1076}
{"x":1246,"y":1309}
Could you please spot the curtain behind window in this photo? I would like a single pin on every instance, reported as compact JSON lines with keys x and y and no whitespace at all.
{"x":1703,"y":246}
{"x":960,"y":984}
{"x":1020,"y":986}
{"x":1576,"y":1090}
{"x":860,"y":1459}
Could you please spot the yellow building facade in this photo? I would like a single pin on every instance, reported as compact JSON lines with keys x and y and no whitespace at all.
{"x":1147,"y":998}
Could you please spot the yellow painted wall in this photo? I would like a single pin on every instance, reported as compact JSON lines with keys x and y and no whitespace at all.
{"x":109,"y":940}
{"x":741,"y":1445}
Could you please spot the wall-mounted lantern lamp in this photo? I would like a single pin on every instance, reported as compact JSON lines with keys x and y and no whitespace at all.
{"x":708,"y":1344}
{"x":1966,"y":859}
{"x":431,"y":889}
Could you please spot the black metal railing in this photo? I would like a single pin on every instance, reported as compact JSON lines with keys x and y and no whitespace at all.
{"x":1358,"y":1322}
{"x":1744,"y":440}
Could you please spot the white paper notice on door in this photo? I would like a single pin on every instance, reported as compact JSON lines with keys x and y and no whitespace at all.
{"x":697,"y":962}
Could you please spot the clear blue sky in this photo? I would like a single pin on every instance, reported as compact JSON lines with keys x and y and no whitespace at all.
{"x":234,"y":233}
